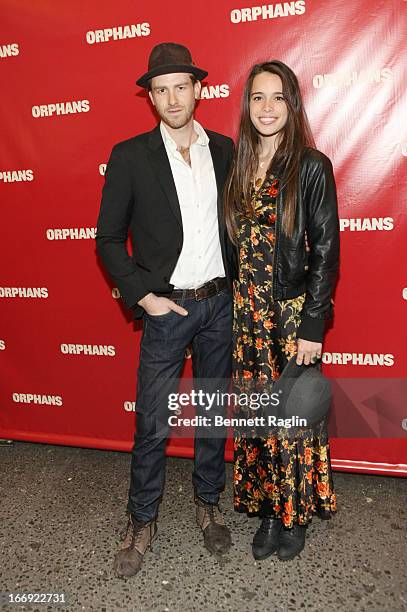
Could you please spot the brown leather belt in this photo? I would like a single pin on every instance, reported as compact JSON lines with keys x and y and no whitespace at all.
{"x":209,"y":289}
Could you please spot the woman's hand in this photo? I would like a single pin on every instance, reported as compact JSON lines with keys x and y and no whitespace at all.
{"x":308,"y":352}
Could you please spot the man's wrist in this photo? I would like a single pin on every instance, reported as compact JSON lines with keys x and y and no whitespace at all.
{"x":145,"y":300}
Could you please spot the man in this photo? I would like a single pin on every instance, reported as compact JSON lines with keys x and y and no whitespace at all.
{"x":164,"y":188}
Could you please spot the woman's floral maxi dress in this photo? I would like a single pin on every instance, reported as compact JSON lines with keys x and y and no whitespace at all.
{"x":286,"y":474}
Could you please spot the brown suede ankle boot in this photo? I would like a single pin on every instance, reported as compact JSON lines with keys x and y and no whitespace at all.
{"x":217,"y":537}
{"x":138,"y":538}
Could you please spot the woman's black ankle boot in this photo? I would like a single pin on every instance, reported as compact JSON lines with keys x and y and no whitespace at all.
{"x":292,"y":542}
{"x":266,"y":538}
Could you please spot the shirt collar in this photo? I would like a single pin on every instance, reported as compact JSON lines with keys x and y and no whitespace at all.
{"x":203,"y":138}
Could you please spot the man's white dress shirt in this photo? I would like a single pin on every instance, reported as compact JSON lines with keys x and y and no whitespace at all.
{"x":201,"y":258}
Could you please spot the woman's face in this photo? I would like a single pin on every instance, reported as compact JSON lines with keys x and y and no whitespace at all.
{"x":268,"y":109}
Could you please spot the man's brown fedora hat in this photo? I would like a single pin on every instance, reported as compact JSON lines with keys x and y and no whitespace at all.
{"x":166,"y":58}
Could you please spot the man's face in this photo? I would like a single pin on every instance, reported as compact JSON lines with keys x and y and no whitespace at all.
{"x":174,"y":96}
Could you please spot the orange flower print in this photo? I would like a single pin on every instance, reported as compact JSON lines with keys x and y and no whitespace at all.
{"x":288,"y":511}
{"x":248,"y":486}
{"x":286,"y":519}
{"x":290,"y":347}
{"x":275,"y":374}
{"x":256,"y":315}
{"x":253,"y":237}
{"x":259,"y":343}
{"x":321,"y":467}
{"x":269,"y":487}
{"x":308,"y":456}
{"x":272,"y":218}
{"x":272,"y":191}
{"x":252,"y":456}
{"x":261,"y":472}
{"x":237,"y":476}
{"x":247,"y":374}
{"x":239,"y":301}
{"x":272,"y":444}
{"x":323,"y":489}
{"x":268,"y":324}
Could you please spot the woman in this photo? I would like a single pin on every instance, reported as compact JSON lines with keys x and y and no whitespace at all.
{"x":281,"y":213}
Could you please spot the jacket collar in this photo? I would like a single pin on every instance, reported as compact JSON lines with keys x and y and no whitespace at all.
{"x":155,"y":140}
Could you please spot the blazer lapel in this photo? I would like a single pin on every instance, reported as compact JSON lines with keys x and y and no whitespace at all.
{"x":159,"y":161}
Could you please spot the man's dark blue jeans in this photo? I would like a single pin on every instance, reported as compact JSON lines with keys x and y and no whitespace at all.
{"x":208,"y":329}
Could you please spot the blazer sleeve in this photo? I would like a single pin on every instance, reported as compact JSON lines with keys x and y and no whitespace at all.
{"x":113,"y":228}
{"x":323,"y":236}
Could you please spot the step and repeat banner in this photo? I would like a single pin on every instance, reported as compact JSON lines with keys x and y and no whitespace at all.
{"x":69,"y":350}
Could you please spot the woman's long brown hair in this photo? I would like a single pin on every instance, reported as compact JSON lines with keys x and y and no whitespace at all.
{"x":295,"y":136}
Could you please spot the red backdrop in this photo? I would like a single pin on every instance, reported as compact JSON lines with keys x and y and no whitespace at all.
{"x":68,"y":72}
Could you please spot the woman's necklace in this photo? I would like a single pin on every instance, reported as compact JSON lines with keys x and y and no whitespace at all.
{"x":262,"y":167}
{"x":265,"y":161}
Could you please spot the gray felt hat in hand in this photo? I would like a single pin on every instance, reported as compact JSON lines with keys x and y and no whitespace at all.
{"x":304,"y":392}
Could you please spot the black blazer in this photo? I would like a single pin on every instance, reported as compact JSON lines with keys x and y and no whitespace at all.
{"x":139,"y":198}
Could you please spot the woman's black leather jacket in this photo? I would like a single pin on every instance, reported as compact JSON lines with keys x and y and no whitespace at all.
{"x":297,"y":270}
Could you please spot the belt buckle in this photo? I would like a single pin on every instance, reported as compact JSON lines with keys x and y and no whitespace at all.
{"x":198,"y":299}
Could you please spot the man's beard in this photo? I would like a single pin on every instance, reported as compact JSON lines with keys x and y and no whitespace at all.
{"x":179,"y":121}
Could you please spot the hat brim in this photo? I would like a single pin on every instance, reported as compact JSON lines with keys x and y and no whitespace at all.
{"x":292,"y":370}
{"x":169,"y":69}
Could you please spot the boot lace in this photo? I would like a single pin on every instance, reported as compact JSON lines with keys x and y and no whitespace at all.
{"x":136,"y":528}
{"x":210,"y":508}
